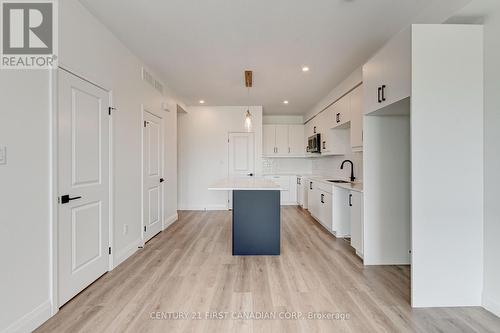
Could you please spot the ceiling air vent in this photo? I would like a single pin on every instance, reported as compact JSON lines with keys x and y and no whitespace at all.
{"x":159,"y":86}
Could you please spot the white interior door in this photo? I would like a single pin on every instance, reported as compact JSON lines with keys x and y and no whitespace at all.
{"x":152,"y":175}
{"x":241,"y":157}
{"x":241,"y":154}
{"x":83,"y":153}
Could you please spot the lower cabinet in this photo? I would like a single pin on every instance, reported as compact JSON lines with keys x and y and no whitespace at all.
{"x":288,"y":186}
{"x":341,"y":226}
{"x":302,"y":192}
{"x":357,"y":226}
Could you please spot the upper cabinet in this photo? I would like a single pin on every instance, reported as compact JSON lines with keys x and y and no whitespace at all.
{"x":356,"y":114}
{"x":339,"y":112}
{"x":387,"y":76}
{"x":283,"y":140}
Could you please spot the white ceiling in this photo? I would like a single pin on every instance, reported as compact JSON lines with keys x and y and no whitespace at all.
{"x":202,"y":47}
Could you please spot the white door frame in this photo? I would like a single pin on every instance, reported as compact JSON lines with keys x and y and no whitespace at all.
{"x":54,"y":174}
{"x":151,"y":110}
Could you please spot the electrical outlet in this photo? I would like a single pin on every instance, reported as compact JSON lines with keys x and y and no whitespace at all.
{"x":3,"y":155}
{"x":125,"y":229}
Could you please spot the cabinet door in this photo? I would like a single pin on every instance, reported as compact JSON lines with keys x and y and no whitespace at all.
{"x":293,"y":190}
{"x":387,"y":76}
{"x":296,"y":143}
{"x":340,"y":113}
{"x":326,"y":210}
{"x":324,"y":126}
{"x":269,"y":139}
{"x":282,"y":139}
{"x":300,"y":192}
{"x":357,"y":221}
{"x":356,"y":97}
{"x":312,"y":200}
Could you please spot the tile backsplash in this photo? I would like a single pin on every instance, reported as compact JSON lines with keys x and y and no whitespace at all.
{"x":328,"y":166}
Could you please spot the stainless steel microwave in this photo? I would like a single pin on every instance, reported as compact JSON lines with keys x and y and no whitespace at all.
{"x":314,"y":144}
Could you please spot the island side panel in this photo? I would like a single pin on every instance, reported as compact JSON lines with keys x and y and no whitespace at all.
{"x":256,"y":223}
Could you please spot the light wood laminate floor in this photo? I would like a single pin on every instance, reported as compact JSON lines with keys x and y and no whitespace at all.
{"x":189,"y":268}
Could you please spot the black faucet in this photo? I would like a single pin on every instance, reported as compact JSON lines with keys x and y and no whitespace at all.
{"x":352,"y":169}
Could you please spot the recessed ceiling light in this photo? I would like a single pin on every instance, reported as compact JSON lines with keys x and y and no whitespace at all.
{"x":202,"y":102}
{"x":285,"y":102}
{"x":305,"y":69}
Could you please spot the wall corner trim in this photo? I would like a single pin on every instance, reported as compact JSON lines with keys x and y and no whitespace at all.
{"x":170,"y":220}
{"x":125,"y":253}
{"x":32,"y":320}
{"x":491,"y":305}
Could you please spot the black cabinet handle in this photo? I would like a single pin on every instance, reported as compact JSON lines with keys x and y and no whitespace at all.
{"x":350,"y":200}
{"x":310,"y":185}
{"x":65,"y":198}
{"x":162,"y":180}
{"x":383,"y":93}
{"x":338,"y":118}
{"x":324,"y":144}
{"x":379,"y":93}
{"x":314,"y":129}
{"x":322,"y":198}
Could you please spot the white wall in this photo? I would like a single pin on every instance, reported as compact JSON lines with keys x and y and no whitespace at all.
{"x":24,"y":199}
{"x":276,"y":166}
{"x":491,"y":293}
{"x":447,"y":165}
{"x":203,"y":152}
{"x":90,"y":50}
{"x":387,"y":188}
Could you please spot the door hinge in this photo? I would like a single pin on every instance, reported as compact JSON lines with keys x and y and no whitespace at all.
{"x":109,"y":250}
{"x":110,"y":109}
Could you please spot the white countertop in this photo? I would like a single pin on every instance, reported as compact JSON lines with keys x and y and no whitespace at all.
{"x":245,"y":184}
{"x":349,"y":186}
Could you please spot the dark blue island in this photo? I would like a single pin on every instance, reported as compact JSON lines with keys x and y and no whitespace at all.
{"x":256,"y":215}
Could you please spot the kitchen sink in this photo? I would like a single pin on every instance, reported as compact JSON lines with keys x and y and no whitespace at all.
{"x":338,"y":181}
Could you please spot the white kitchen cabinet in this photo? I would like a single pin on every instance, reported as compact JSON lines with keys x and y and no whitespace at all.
{"x":325,"y":209}
{"x":387,"y":76}
{"x":282,"y":147}
{"x":269,"y":139}
{"x":283,"y":140}
{"x":341,"y":224}
{"x":339,"y":112}
{"x":302,"y":192}
{"x":312,"y":199}
{"x":296,"y":144}
{"x":356,"y":211}
{"x":288,"y":188}
{"x":356,"y":107}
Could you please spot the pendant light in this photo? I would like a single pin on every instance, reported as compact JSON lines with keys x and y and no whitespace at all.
{"x":248,"y":114}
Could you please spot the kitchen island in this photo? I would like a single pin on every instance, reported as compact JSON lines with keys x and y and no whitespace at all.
{"x":256,"y":215}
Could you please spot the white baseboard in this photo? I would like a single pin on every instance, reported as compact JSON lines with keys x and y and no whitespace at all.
{"x":125,"y":253}
{"x":201,"y":207}
{"x":491,"y":305}
{"x":169,"y":220}
{"x":30,"y":321}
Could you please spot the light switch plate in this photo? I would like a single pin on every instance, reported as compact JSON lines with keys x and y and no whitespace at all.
{"x":3,"y":155}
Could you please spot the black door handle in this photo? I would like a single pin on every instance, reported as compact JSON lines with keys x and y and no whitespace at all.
{"x":383,"y":93}
{"x":350,"y":200}
{"x":250,"y":174}
{"x":162,"y":180}
{"x":379,"y":92}
{"x":65,"y":198}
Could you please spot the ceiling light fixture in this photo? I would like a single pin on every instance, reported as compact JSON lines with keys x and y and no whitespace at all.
{"x":305,"y":69}
{"x":285,"y":102}
{"x":248,"y":114}
{"x":202,"y":102}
